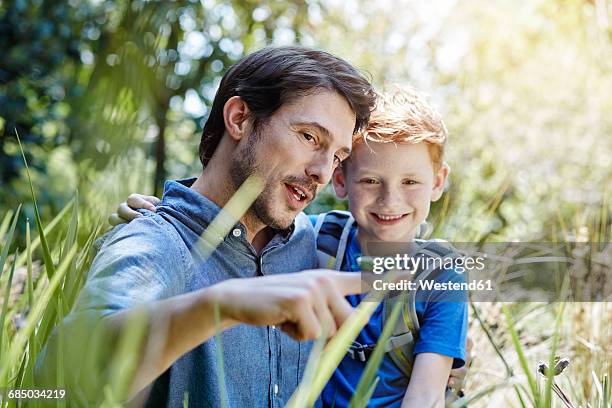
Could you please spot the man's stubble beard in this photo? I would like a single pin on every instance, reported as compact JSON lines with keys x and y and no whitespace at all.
{"x":245,"y":164}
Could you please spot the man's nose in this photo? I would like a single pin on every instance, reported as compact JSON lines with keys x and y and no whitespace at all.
{"x":320,"y":169}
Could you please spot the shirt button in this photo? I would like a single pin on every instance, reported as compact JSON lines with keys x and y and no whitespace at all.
{"x":236,"y":232}
{"x":275,"y":389}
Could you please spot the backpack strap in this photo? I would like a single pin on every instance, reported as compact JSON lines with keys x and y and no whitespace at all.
{"x":332,"y":231}
{"x":406,"y":330}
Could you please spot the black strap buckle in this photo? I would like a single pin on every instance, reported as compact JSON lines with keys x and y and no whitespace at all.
{"x":360,"y":352}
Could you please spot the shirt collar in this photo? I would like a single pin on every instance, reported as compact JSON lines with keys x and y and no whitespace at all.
{"x":197,"y":211}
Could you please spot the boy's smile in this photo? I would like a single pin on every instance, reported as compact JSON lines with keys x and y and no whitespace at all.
{"x":390,"y":187}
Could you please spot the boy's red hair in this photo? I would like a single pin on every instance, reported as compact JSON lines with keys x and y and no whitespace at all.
{"x":405,"y":116}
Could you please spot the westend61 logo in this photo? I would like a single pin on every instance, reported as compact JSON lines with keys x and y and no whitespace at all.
{"x":491,"y":271}
{"x":412,"y":264}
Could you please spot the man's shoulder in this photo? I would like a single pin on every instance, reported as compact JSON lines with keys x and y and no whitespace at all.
{"x":136,"y":262}
{"x":150,"y":235}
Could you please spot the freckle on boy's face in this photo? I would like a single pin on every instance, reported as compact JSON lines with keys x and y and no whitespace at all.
{"x":390,"y":187}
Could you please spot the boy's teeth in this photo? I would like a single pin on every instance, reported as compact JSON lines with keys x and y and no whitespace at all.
{"x":388,"y":217}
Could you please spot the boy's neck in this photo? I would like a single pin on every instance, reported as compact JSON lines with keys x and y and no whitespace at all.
{"x":373,"y":247}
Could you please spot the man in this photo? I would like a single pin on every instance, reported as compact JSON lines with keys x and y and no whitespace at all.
{"x":283,"y":115}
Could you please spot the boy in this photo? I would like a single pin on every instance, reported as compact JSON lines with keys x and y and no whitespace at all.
{"x":395,"y":171}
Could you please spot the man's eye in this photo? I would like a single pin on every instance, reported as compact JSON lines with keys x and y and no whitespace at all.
{"x":308,"y":137}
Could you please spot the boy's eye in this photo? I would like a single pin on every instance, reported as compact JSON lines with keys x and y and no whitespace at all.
{"x":411,"y":182}
{"x":369,"y":181}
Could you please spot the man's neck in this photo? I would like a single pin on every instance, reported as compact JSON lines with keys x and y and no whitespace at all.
{"x":208,"y":184}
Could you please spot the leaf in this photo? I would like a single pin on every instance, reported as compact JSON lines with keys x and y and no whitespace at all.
{"x":50,"y":268}
{"x":369,"y":375}
{"x":22,"y":336}
{"x":7,"y":294}
{"x":9,"y":241}
{"x":535,"y":393}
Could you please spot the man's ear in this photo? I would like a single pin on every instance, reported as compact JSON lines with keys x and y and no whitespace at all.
{"x":339,"y":182}
{"x":439,"y":181}
{"x":235,"y":115}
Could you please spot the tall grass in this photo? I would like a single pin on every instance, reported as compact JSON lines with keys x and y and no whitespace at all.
{"x":510,"y":339}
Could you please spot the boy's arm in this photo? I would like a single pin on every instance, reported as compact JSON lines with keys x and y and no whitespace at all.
{"x":428,"y":381}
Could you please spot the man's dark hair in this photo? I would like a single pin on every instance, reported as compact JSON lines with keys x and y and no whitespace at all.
{"x":274,"y":76}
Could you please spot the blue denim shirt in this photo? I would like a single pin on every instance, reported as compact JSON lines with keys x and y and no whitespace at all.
{"x":153,"y":258}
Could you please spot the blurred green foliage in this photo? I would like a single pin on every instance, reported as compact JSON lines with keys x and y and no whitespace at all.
{"x":84,"y":82}
{"x":110,"y":97}
{"x":87,"y":83}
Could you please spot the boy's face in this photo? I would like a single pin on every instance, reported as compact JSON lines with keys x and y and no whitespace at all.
{"x":389,"y":187}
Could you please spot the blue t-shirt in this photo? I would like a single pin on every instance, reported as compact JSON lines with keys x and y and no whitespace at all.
{"x":443,"y":331}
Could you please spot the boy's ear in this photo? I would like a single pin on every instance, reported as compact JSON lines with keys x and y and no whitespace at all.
{"x":235,"y":115}
{"x":339,"y":182}
{"x":440,"y":181}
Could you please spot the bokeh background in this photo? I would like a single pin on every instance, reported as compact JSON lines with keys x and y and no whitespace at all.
{"x":109,"y":97}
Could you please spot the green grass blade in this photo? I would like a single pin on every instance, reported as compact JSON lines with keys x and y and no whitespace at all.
{"x":533,"y":386}
{"x":9,"y":241}
{"x":339,"y":344}
{"x":61,"y":379}
{"x":551,"y":360}
{"x":50,"y":227}
{"x":465,"y":401}
{"x":6,"y":221}
{"x":368,"y":394}
{"x":125,"y":360}
{"x":30,"y":282}
{"x":7,"y":294}
{"x":71,"y":235}
{"x":370,"y":372}
{"x":49,"y":266}
{"x":300,"y":397}
{"x":22,"y":336}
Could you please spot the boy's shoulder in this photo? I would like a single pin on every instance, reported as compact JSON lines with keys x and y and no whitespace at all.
{"x":329,"y":216}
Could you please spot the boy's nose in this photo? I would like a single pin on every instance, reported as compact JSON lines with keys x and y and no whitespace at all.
{"x":390,"y":198}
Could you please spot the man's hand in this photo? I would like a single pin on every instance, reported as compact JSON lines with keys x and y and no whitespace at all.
{"x":126,"y":211}
{"x":304,"y":305}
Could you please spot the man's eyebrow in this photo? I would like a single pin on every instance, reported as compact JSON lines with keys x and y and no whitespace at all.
{"x":325,"y":132}
{"x":315,"y":124}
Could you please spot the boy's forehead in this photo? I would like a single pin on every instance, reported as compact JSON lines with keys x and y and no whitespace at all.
{"x":397,"y":157}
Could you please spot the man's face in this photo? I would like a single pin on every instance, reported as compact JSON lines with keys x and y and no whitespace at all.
{"x":390,"y":187}
{"x":295,"y":151}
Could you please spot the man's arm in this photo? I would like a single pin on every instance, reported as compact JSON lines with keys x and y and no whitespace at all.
{"x":428,"y":381}
{"x":302,"y":304}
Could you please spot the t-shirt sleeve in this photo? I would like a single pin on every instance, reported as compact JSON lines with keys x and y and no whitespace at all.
{"x":137,"y":263}
{"x":444,"y":321}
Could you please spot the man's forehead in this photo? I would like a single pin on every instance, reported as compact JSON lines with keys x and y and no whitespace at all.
{"x":327,"y":110}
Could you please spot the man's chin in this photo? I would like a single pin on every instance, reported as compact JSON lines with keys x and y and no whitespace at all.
{"x":277,"y":219}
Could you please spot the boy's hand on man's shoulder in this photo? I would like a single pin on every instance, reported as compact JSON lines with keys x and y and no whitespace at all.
{"x":127,"y":211}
